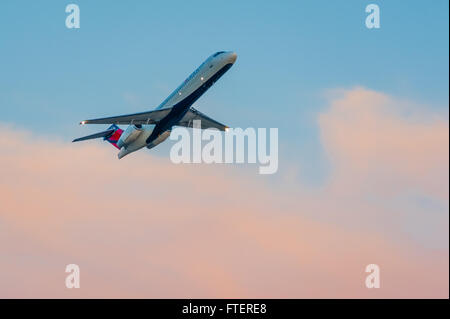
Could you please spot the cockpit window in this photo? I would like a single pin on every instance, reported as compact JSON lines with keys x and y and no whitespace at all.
{"x":217,"y":53}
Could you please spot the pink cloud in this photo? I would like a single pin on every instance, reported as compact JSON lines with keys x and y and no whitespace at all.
{"x":386,"y":141}
{"x":144,"y":227}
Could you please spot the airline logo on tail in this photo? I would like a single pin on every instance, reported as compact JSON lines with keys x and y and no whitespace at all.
{"x":114,"y":137}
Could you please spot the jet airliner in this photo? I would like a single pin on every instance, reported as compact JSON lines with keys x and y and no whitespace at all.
{"x":148,"y":129}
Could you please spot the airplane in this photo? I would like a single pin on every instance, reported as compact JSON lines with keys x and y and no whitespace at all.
{"x":148,"y":129}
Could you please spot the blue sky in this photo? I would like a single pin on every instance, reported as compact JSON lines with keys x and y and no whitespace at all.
{"x":128,"y":56}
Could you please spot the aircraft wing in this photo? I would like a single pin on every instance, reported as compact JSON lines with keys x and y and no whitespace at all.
{"x":150,"y":117}
{"x":206,"y":122}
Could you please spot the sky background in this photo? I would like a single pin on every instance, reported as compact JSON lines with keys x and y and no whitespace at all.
{"x":363,"y":162}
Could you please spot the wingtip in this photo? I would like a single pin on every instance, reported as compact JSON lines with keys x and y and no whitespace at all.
{"x":82,"y":122}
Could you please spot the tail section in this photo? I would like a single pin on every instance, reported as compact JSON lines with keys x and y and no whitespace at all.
{"x":114,"y":137}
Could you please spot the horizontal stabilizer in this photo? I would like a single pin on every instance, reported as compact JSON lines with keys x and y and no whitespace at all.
{"x":206,"y":122}
{"x":106,"y":133}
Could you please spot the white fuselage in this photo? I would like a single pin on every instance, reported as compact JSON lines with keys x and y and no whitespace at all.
{"x":135,"y":138}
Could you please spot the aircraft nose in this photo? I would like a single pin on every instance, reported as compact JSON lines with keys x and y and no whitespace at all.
{"x":232,"y":56}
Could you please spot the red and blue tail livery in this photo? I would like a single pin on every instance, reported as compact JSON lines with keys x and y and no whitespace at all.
{"x":114,"y":137}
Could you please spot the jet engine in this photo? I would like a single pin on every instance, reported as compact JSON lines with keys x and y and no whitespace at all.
{"x":129,"y":135}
